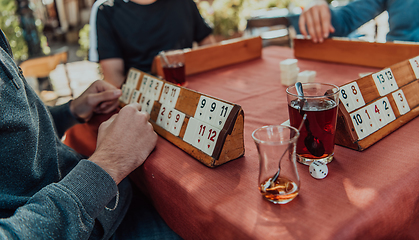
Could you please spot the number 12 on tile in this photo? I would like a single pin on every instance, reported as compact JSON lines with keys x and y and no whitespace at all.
{"x":201,"y":135}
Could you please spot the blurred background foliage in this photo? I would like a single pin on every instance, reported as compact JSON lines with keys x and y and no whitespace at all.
{"x":226,"y":17}
{"x":84,"y":42}
{"x":229,"y":16}
{"x":10,"y":24}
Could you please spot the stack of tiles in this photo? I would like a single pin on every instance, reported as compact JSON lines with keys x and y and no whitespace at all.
{"x":306,"y":76}
{"x":289,"y":71}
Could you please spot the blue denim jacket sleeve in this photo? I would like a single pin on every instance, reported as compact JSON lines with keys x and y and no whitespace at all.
{"x":403,"y":20}
{"x":348,"y":18}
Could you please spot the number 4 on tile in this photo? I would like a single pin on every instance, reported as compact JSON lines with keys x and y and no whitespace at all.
{"x":378,"y":112}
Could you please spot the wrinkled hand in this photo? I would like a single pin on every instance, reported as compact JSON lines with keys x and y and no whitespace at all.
{"x":101,"y":97}
{"x":317,"y":20}
{"x":124,"y":142}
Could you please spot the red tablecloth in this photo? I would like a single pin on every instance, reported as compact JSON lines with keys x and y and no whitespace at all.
{"x":367,"y":195}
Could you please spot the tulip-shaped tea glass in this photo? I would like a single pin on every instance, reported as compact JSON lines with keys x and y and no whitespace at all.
{"x":276,"y":145}
{"x":173,"y":63}
{"x":317,"y":136}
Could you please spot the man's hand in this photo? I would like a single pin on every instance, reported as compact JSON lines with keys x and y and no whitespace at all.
{"x":113,"y":71}
{"x":100,"y":97}
{"x":317,"y":19}
{"x":210,"y":39}
{"x":124,"y":142}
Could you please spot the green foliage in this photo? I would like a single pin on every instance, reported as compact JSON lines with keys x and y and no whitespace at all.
{"x":84,"y":42}
{"x":229,"y":16}
{"x":44,"y":41}
{"x":9,"y":23}
{"x":226,"y":16}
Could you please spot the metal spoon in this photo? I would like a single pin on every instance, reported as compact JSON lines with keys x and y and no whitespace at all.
{"x":313,"y":144}
{"x":273,"y":179}
{"x":164,"y":58}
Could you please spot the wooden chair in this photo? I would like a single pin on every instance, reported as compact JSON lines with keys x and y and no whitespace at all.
{"x":280,"y":36}
{"x":41,"y":67}
{"x":217,"y":55}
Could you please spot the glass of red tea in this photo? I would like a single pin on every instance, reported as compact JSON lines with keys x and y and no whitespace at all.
{"x":279,"y":181}
{"x":173,"y":63}
{"x":317,"y":136}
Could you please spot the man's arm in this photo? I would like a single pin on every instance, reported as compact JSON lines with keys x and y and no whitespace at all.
{"x":350,"y":17}
{"x":128,"y":134}
{"x":113,"y":68}
{"x":100,"y":98}
{"x":319,"y":21}
{"x":104,"y":40}
{"x":316,"y":21}
{"x":68,"y":209}
{"x":63,"y":210}
{"x":210,"y":39}
{"x":113,"y":71}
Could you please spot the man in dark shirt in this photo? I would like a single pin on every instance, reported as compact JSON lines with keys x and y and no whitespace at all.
{"x":127,"y":34}
{"x":130,"y":33}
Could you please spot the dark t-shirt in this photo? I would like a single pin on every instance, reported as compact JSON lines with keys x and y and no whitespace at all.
{"x":137,"y":33}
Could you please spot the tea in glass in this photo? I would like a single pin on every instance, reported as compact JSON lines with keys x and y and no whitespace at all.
{"x":175,"y":73}
{"x":173,"y":63}
{"x":317,"y":136}
{"x":279,"y":181}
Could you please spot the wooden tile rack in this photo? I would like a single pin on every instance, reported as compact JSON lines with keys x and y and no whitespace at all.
{"x":207,"y":128}
{"x":374,"y":106}
{"x":217,"y":55}
{"x":355,"y":52}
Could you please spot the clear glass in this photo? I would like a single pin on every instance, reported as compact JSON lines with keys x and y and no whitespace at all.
{"x":276,"y":146}
{"x":317,"y":136}
{"x":173,"y":63}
